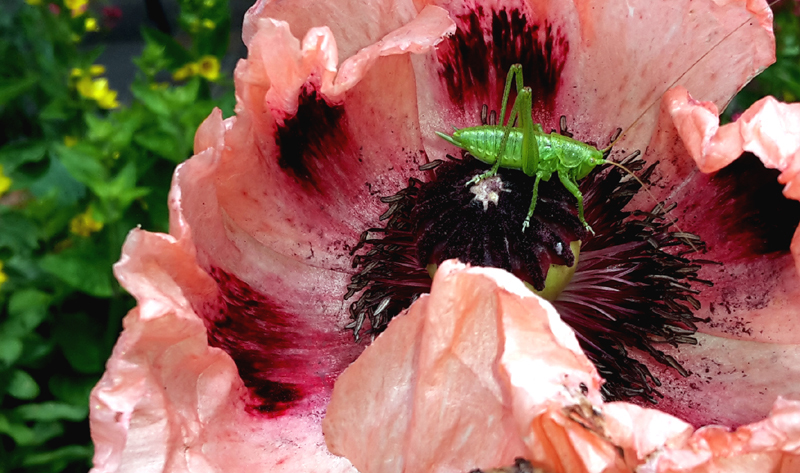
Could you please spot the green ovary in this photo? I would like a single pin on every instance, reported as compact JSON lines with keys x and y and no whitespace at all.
{"x":558,"y":276}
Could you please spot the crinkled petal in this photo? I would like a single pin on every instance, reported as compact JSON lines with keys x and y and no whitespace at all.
{"x":355,"y":24}
{"x":769,"y":129}
{"x":476,"y":374}
{"x":768,"y":446}
{"x":482,"y":371}
{"x":168,"y":401}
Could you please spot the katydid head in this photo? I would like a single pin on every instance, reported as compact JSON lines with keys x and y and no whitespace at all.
{"x":593,"y":159}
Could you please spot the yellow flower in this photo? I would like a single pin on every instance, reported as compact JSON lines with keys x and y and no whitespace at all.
{"x":84,"y":224}
{"x":97,"y":69}
{"x":90,"y":24}
{"x":98,"y":91}
{"x":33,"y":2}
{"x":5,"y":183}
{"x":108,"y":100}
{"x":75,"y":73}
{"x":209,"y":24}
{"x":70,"y":141}
{"x":208,"y":67}
{"x":186,"y":71}
{"x":3,"y":276}
{"x":77,"y":7}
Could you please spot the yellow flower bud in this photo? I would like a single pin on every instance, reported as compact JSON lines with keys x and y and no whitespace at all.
{"x":3,"y":276}
{"x":209,"y":67}
{"x":84,"y":224}
{"x":90,"y":24}
{"x":5,"y":181}
{"x":77,"y":7}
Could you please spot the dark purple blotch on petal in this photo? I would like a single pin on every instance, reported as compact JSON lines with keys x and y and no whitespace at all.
{"x":487,"y":43}
{"x":273,"y":350}
{"x":749,"y":206}
{"x":316,"y":132}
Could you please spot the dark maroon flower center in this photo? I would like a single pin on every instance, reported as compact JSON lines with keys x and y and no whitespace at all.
{"x":633,"y":288}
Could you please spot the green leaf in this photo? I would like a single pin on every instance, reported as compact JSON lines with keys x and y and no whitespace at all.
{"x":24,"y":436}
{"x":99,"y":129}
{"x":154,"y":100}
{"x":89,"y":273}
{"x":173,"y":51}
{"x":10,"y":349}
{"x":26,"y":310}
{"x":72,"y":389}
{"x":50,"y":411}
{"x":19,"y":233}
{"x":20,"y":433}
{"x":60,"y":456}
{"x":162,"y":144}
{"x":13,"y":155}
{"x":183,"y":95}
{"x":22,"y":385}
{"x":78,"y":336}
{"x":13,"y":88}
{"x":58,"y":109}
{"x":81,"y":163}
{"x":59,"y":185}
{"x":118,"y":194}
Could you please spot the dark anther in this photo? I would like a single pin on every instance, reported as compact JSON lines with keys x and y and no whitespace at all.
{"x":429,"y":166}
{"x":562,"y":124}
{"x":616,"y":134}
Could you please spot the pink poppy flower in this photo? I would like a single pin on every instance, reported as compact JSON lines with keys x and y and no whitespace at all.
{"x":229,"y":359}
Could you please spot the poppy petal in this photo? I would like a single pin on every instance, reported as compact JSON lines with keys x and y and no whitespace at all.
{"x":168,"y":401}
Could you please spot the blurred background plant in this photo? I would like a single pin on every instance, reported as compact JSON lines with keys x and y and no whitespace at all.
{"x":82,"y":161}
{"x":88,"y":144}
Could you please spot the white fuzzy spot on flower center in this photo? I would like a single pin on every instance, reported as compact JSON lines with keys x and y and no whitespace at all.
{"x":488,"y":191}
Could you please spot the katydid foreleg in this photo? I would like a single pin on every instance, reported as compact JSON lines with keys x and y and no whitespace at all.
{"x":569,"y":183}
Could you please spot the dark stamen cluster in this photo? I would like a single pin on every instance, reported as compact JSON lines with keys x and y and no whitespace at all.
{"x":632,"y":289}
{"x":429,"y":223}
{"x":455,"y":221}
{"x":390,"y":277}
{"x":633,"y":286}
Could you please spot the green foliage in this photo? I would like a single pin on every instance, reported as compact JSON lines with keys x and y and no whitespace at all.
{"x":79,"y":170}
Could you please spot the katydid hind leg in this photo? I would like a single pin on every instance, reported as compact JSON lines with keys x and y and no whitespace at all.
{"x":514,"y":75}
{"x":532,"y":207}
{"x":530,"y":147}
{"x":569,"y":183}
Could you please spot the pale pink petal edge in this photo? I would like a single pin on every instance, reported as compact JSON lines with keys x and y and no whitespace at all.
{"x":769,"y":129}
{"x":287,"y":68}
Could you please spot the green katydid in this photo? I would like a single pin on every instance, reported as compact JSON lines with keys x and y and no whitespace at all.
{"x":528,"y":148}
